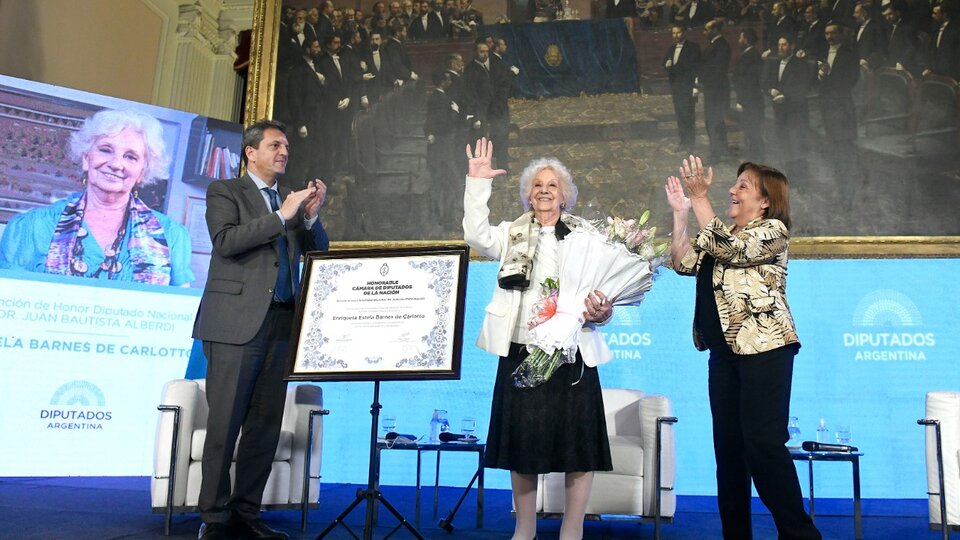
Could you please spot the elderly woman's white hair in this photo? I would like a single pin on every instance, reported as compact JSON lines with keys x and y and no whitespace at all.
{"x":110,"y":122}
{"x":567,"y":187}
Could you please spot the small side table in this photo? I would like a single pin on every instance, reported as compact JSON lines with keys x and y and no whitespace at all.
{"x":421,"y":447}
{"x":854,"y":459}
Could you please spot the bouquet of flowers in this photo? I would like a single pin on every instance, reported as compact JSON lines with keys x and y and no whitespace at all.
{"x":619,"y":258}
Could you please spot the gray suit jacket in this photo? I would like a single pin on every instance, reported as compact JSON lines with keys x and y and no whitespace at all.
{"x":244,"y":262}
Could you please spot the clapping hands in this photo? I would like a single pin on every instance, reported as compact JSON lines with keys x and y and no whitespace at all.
{"x":695,"y":178}
{"x":309,"y":198}
{"x":316,"y":197}
{"x":677,"y":200}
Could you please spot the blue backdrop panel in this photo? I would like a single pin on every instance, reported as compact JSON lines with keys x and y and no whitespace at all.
{"x":877,"y":335}
{"x":567,"y":58}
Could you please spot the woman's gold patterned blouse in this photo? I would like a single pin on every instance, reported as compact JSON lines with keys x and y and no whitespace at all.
{"x":749,"y":282}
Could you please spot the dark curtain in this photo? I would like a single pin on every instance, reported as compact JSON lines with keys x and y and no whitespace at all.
{"x":567,"y":58}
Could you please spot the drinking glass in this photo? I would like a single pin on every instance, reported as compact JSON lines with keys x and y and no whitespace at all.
{"x":468,"y":426}
{"x":388,"y":423}
{"x":793,"y":428}
{"x":843,"y":434}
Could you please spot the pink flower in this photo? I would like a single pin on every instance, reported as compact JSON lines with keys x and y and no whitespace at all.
{"x":636,"y":237}
{"x":543,"y":310}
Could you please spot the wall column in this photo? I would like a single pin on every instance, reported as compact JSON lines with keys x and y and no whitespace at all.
{"x":204,"y":81}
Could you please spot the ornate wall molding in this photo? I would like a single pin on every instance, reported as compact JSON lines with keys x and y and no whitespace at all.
{"x":198,"y":24}
{"x":207,"y":33}
{"x":215,"y":23}
{"x":237,"y":15}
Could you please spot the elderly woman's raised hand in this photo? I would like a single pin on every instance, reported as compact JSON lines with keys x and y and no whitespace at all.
{"x":675,"y":197}
{"x":696,"y":180}
{"x":479,"y":160}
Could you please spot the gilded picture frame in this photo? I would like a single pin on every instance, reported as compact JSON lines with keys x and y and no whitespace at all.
{"x":259,"y":102}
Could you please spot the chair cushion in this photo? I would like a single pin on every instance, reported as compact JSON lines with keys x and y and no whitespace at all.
{"x":655,"y":406}
{"x":944,"y":406}
{"x":616,"y":494}
{"x":627,"y":455}
{"x":277,"y":490}
{"x":629,"y":488}
{"x":612,"y":493}
{"x":622,"y":411}
{"x":284,"y":446}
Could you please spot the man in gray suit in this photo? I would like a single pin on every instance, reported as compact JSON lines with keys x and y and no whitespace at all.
{"x":244,"y":321}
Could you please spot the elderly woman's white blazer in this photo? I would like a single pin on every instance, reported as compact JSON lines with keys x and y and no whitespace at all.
{"x":503,"y":309}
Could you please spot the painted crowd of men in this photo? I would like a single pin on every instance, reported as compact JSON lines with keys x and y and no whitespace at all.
{"x":329,"y":74}
{"x":807,"y":49}
{"x":427,"y":20}
{"x":333,"y":63}
{"x":325,"y":75}
{"x":469,"y":101}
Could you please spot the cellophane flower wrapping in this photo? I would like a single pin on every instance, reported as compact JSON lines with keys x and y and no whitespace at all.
{"x":590,"y":260}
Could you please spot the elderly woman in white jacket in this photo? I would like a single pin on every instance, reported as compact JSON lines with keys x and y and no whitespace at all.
{"x":558,"y":426}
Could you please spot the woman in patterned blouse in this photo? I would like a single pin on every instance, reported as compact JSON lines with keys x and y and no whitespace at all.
{"x":742,"y":317}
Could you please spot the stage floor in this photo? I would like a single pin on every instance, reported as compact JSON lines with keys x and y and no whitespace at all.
{"x":119,"y":507}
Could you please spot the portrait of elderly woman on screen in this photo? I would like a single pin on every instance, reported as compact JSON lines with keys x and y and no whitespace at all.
{"x":105,"y":231}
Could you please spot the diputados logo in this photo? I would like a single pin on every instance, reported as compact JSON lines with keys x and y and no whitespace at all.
{"x":76,"y":405}
{"x":889,"y":328}
{"x":625,"y":343}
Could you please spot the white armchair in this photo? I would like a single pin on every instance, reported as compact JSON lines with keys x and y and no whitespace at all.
{"x":943,"y":459}
{"x":635,"y":422}
{"x":181,"y":431}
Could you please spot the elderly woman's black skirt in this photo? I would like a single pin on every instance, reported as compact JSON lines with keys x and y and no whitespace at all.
{"x":555,"y":427}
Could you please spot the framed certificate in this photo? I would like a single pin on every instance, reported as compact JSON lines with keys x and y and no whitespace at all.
{"x":380,"y":314}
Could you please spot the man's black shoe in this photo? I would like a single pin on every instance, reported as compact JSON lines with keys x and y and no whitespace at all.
{"x":213,"y":531}
{"x":256,"y":528}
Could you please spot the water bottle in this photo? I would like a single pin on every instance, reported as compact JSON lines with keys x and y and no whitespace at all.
{"x":444,"y":422}
{"x":793,"y":429}
{"x":435,"y":424}
{"x":823,"y":435}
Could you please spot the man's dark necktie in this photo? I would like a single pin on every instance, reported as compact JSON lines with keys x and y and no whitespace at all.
{"x":283,"y":292}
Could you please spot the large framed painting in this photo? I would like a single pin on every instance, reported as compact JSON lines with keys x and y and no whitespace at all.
{"x":880,"y":178}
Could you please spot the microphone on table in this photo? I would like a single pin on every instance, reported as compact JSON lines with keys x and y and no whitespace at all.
{"x":401,"y":438}
{"x":811,"y":446}
{"x":446,"y":436}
